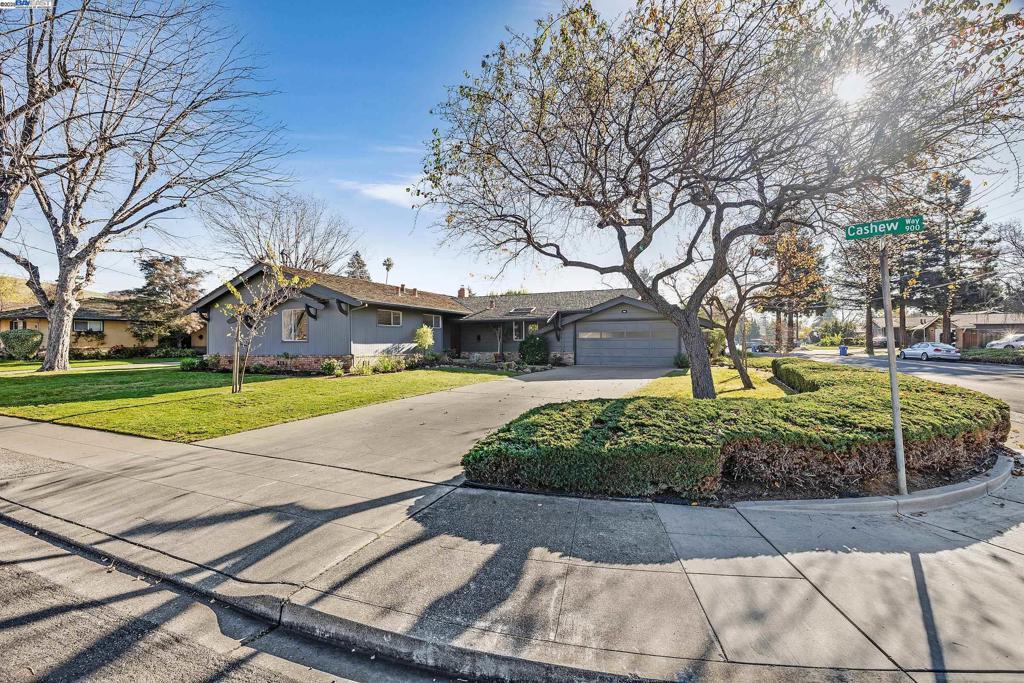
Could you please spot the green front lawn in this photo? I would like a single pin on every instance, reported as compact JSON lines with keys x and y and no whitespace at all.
{"x":189,"y":406}
{"x":727,"y":384}
{"x":24,"y":365}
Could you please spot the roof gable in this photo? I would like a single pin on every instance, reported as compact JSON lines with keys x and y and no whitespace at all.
{"x":353,"y":290}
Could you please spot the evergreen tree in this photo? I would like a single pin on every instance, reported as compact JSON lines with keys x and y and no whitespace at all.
{"x":955,"y":259}
{"x":159,"y":307}
{"x":356,"y":267}
{"x":799,"y":287}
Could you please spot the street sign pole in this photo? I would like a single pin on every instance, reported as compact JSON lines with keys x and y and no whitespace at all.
{"x":890,"y":343}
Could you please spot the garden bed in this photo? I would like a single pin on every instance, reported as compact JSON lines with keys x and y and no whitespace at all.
{"x":834,"y":437}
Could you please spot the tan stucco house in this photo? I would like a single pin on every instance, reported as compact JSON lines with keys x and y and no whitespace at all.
{"x":99,"y":324}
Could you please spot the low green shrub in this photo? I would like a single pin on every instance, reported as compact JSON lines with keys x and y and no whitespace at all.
{"x":1008,"y":356}
{"x":331,"y":366}
{"x":171,"y":352}
{"x":192,"y":364}
{"x":387,"y":363}
{"x":681,"y":361}
{"x":86,"y":354}
{"x":830,"y":438}
{"x":21,"y":344}
{"x":534,"y":350}
{"x":363,"y":368}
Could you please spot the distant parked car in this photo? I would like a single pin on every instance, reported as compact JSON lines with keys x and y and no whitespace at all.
{"x":879,"y":341}
{"x":1010,"y":341}
{"x":762,"y":348}
{"x":929,"y":350}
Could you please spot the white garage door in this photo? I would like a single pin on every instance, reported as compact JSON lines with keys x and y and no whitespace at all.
{"x":639,"y":342}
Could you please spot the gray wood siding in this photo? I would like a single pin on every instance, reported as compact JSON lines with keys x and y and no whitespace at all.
{"x":371,"y":339}
{"x":488,"y":342}
{"x":565,"y":344}
{"x":328,"y":334}
{"x":631,"y":313}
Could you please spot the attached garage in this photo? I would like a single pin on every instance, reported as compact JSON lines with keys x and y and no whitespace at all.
{"x":651,"y":343}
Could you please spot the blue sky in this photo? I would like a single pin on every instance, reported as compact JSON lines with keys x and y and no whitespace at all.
{"x":354,"y":83}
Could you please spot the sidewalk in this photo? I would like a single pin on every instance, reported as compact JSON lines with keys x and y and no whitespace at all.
{"x":444,"y":575}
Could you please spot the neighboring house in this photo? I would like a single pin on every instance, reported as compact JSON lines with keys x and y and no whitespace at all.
{"x":99,"y":324}
{"x":970,"y":330}
{"x":356,"y":320}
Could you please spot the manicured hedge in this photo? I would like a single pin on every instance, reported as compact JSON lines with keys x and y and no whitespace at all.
{"x":834,"y":435}
{"x":1007,"y":356}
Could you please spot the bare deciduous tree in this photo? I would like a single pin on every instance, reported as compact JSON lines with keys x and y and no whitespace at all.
{"x":255,"y":300}
{"x":700,"y":123}
{"x":41,"y":58}
{"x":299,"y":228}
{"x":161,"y":117}
{"x":1012,"y":267}
{"x":750,"y":271}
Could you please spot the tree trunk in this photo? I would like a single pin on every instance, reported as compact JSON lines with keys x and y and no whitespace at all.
{"x":58,"y":336}
{"x":947,"y":328}
{"x":738,"y":361}
{"x":790,"y":332}
{"x":869,"y":331}
{"x":701,"y":379}
{"x":236,"y":383}
{"x":778,"y":332}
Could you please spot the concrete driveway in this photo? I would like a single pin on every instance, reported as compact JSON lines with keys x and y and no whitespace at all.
{"x":424,"y":437}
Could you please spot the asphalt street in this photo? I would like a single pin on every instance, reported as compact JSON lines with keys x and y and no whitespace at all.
{"x":68,"y":617}
{"x":1005,"y":382}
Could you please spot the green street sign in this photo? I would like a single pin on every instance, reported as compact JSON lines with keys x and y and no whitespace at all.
{"x":891,"y":226}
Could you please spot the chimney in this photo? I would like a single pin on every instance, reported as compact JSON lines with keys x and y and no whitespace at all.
{"x":462,"y":291}
{"x":490,"y":304}
{"x":401,"y":290}
{"x":414,"y":292}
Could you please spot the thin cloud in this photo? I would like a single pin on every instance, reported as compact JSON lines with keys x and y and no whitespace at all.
{"x":392,"y":193}
{"x":398,"y":149}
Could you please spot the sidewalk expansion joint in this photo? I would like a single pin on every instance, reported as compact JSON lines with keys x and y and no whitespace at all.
{"x":822,"y":594}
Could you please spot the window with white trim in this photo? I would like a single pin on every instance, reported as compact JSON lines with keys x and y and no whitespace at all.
{"x":432,"y":321}
{"x":87,"y":326}
{"x":17,"y":325}
{"x":294,"y":325}
{"x":386,"y":318}
{"x":518,"y":330}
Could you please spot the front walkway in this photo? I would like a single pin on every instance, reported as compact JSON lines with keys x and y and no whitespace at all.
{"x":658,"y":590}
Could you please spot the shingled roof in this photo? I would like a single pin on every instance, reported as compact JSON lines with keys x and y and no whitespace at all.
{"x":381,"y":294}
{"x":543,"y":304}
{"x":92,"y":308}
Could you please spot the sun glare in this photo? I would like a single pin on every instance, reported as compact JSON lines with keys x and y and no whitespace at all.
{"x":851,"y":87}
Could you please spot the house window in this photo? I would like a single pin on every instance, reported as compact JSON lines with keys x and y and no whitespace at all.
{"x":387,"y":318}
{"x":88,"y":326}
{"x":294,"y":325}
{"x":518,"y":330}
{"x":432,"y":321}
{"x":17,"y":325}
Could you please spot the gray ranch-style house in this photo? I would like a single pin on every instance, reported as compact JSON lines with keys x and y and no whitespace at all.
{"x":355,"y":320}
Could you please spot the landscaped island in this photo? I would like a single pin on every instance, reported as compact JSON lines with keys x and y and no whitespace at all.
{"x":833,"y":436}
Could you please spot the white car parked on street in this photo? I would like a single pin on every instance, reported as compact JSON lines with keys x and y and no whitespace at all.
{"x":929,"y":350}
{"x":1010,"y":341}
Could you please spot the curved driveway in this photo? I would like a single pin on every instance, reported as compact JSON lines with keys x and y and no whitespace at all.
{"x":425,"y":437}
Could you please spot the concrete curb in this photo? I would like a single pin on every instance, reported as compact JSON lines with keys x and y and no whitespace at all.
{"x":272,"y":603}
{"x":259,"y":600}
{"x":920,"y":501}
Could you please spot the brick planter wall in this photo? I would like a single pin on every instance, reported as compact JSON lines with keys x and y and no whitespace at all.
{"x":281,"y":364}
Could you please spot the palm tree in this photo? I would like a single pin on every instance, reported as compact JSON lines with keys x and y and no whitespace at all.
{"x":388,"y":265}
